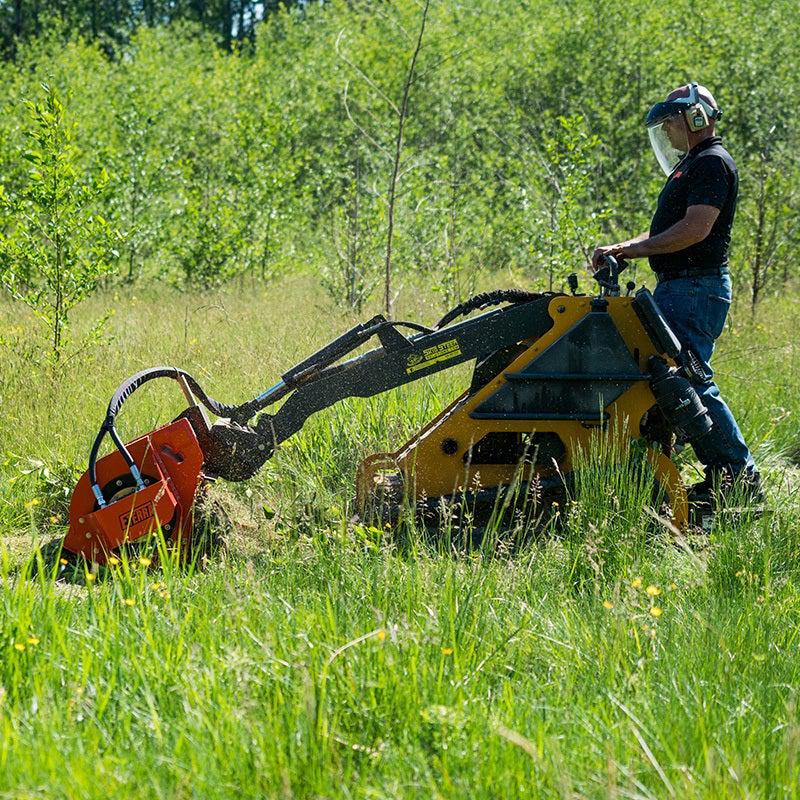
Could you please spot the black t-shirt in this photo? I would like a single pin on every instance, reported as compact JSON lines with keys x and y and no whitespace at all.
{"x":706,"y":176}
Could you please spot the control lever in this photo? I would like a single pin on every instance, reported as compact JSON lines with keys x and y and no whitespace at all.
{"x":572,"y":282}
{"x":608,"y":275}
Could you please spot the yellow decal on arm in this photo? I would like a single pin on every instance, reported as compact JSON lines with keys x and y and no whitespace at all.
{"x":432,"y":355}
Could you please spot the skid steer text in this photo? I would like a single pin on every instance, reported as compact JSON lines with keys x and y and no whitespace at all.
{"x":432,"y":355}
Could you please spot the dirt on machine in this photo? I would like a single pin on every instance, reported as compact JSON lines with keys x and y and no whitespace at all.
{"x":551,"y":371}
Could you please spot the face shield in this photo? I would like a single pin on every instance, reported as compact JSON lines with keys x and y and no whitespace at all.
{"x":669,"y":142}
{"x":667,"y":131}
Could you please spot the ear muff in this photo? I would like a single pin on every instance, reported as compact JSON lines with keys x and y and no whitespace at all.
{"x":696,"y":118}
{"x":699,"y":113}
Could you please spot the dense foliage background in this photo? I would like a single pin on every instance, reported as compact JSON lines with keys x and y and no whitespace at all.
{"x":217,"y":147}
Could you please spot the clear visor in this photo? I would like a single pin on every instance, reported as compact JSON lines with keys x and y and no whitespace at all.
{"x":667,"y":153}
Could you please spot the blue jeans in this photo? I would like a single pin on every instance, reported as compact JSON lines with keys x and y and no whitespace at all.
{"x":696,"y":309}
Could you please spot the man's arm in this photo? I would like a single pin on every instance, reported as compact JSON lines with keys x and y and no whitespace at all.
{"x":693,"y":228}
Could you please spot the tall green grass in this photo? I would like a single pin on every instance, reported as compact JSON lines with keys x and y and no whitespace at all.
{"x":318,"y":657}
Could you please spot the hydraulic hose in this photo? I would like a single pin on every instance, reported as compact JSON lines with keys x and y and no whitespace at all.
{"x":123,"y":392}
{"x":486,"y":299}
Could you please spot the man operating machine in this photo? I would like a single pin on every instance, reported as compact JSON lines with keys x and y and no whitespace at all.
{"x":687,"y":247}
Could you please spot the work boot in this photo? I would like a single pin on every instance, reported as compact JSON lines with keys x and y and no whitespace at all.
{"x":748,"y":483}
{"x":717,"y":491}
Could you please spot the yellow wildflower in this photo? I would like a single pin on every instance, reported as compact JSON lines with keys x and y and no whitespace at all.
{"x":381,"y":634}
{"x":54,"y":519}
{"x":673,"y":586}
{"x":165,"y":594}
{"x":90,"y":577}
{"x":608,"y":604}
{"x":447,"y":651}
{"x":656,"y":611}
{"x":113,"y":560}
{"x":63,"y":562}
{"x":129,"y":601}
{"x":19,"y":646}
{"x":144,"y":561}
{"x":636,"y":583}
{"x":33,"y":640}
{"x":653,"y":590}
{"x":32,"y":503}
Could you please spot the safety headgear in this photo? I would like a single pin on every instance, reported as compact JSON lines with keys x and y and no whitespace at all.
{"x":670,"y":144}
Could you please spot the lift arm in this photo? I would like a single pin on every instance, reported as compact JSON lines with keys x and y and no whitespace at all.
{"x":236,"y":451}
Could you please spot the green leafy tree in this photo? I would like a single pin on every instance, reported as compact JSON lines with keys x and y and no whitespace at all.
{"x":266,"y":166}
{"x":208,"y":224}
{"x":389,"y":138}
{"x":572,"y":224}
{"x":239,"y":160}
{"x":114,"y":21}
{"x":140,"y":179}
{"x":773,"y":196}
{"x":57,"y":247}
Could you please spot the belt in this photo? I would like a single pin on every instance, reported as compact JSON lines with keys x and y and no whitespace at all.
{"x":692,"y":273}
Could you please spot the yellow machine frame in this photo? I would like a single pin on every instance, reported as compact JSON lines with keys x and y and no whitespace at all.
{"x":429,"y":471}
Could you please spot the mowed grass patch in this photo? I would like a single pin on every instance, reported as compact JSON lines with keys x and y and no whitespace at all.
{"x":321,"y":658}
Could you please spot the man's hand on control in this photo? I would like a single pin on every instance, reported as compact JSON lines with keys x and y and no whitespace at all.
{"x":622,"y":249}
{"x":631,"y":248}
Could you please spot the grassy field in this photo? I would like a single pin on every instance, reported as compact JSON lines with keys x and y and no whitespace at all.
{"x":319,"y":658}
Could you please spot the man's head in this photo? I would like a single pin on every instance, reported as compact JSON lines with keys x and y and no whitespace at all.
{"x":686,"y":117}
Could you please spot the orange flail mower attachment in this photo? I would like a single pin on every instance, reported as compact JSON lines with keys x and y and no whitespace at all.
{"x":170,"y":460}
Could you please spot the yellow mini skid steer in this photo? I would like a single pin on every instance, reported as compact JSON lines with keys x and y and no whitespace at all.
{"x":551,"y":371}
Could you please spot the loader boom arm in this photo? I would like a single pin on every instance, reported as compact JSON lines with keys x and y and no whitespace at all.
{"x":405,"y":361}
{"x":236,"y":451}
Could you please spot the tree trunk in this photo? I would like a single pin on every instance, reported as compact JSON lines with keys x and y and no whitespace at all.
{"x":59,"y":301}
{"x":227,"y":24}
{"x":240,"y":33}
{"x":398,"y":149}
{"x":758,"y":256}
{"x":18,"y":18}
